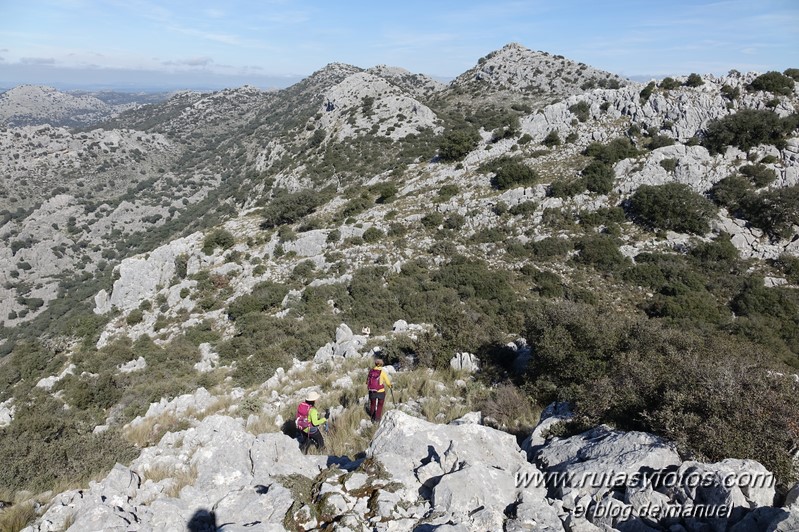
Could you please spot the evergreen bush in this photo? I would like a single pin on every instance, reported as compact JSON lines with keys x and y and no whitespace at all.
{"x":671,"y":207}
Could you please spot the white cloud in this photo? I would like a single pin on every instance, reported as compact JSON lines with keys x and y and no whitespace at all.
{"x":224,"y":38}
{"x":191,"y":61}
{"x":37,"y":60}
{"x":214,"y":13}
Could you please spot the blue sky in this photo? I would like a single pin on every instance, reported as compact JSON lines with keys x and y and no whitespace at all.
{"x":275,"y":42}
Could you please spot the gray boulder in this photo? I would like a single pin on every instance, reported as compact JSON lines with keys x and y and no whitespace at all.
{"x":465,"y":362}
{"x":134,"y":365}
{"x":209,"y":359}
{"x":552,"y":415}
{"x":738,"y":483}
{"x":7,"y":412}
{"x":786,"y":521}
{"x":468,"y":472}
{"x":590,"y":462}
{"x":141,"y":277}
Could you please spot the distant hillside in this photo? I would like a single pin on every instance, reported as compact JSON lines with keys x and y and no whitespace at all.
{"x":36,"y":105}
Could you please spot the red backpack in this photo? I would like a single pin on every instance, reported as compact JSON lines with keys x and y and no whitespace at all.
{"x":303,"y":421}
{"x":373,"y":380}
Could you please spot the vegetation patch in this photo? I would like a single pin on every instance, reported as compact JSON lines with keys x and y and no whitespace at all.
{"x":671,"y":207}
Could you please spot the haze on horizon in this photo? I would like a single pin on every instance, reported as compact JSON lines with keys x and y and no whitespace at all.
{"x":143,"y":44}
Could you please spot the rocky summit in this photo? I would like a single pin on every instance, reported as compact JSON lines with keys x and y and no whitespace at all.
{"x":584,"y":290}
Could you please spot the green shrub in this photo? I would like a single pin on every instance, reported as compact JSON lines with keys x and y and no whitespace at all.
{"x":719,"y":252}
{"x":288,"y":208}
{"x":668,"y":84}
{"x":756,"y":299}
{"x":559,"y":218}
{"x":220,"y":238}
{"x":386,"y":192}
{"x":547,"y":284}
{"x":572,"y":137}
{"x":671,"y":207}
{"x":792,"y":73}
{"x":647,"y":91}
{"x":695,"y":307}
{"x":729,"y":92}
{"x":572,"y":345}
{"x":746,"y":129}
{"x":565,"y":189}
{"x":659,"y":141}
{"x":687,"y":384}
{"x":181,"y":265}
{"x":372,"y":235}
{"x":474,"y":279}
{"x":773,"y":211}
{"x":613,"y":152}
{"x":490,"y":235}
{"x":303,"y":271}
{"x":773,"y":82}
{"x":333,"y":236}
{"x":581,"y":110}
{"x":525,"y":139}
{"x":265,"y":296}
{"x":356,"y":206}
{"x":552,"y":139}
{"x":397,"y":229}
{"x":525,"y":208}
{"x":135,"y":316}
{"x":515,"y":249}
{"x":510,"y":173}
{"x":286,"y":234}
{"x":669,"y":164}
{"x":46,"y":447}
{"x":457,"y":143}
{"x":454,"y":222}
{"x":789,"y":266}
{"x":731,"y":191}
{"x":372,"y":303}
{"x":598,"y":177}
{"x":550,"y":247}
{"x":759,"y":174}
{"x":432,"y":220}
{"x":447,"y":192}
{"x":603,"y":216}
{"x":600,"y":251}
{"x":694,"y":80}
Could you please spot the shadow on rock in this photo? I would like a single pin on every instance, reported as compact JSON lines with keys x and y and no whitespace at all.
{"x":202,"y":521}
{"x":289,"y":428}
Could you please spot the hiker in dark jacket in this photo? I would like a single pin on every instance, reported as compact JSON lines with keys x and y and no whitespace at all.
{"x":309,"y":422}
{"x":376,"y":382}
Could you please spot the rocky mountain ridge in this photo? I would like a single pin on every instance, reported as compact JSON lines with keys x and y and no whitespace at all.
{"x":32,"y":105}
{"x":253,"y":223}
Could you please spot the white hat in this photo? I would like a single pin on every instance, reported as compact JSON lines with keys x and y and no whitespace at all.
{"x":313,"y":396}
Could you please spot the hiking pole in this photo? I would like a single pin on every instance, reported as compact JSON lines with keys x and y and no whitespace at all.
{"x":393,"y":401}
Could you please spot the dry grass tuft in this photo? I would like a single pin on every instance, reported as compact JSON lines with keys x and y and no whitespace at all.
{"x":265,"y":423}
{"x":180,"y":477}
{"x":18,"y":516}
{"x":151,"y":430}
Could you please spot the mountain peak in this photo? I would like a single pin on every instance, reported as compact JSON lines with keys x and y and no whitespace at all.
{"x":516,"y":68}
{"x":38,"y":104}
